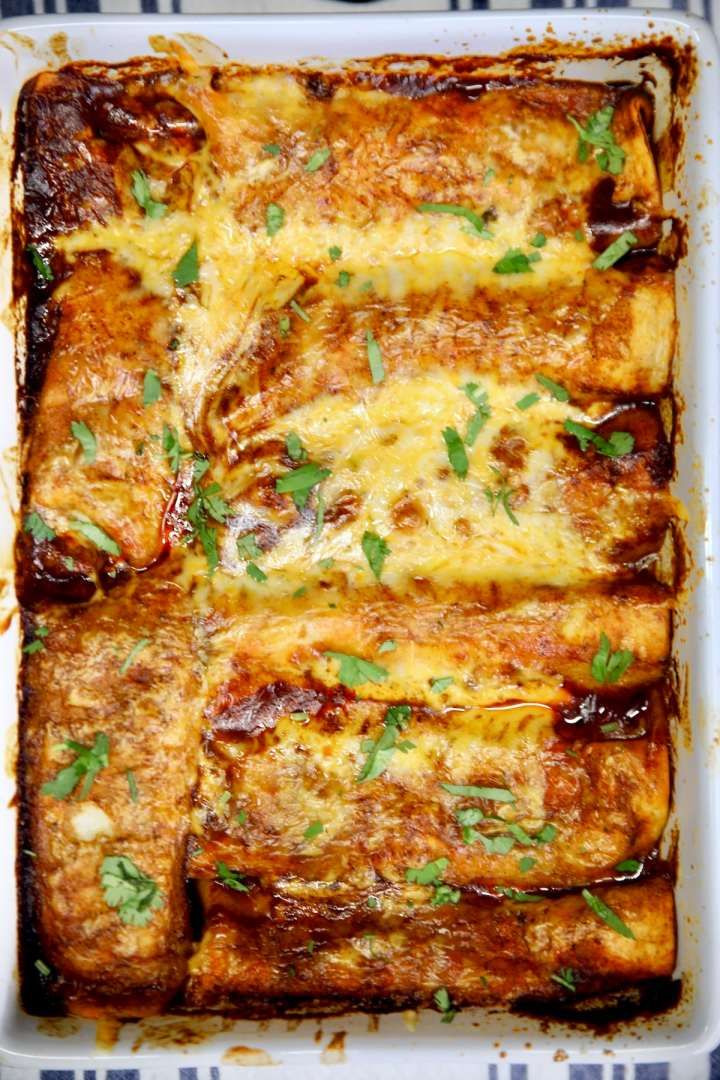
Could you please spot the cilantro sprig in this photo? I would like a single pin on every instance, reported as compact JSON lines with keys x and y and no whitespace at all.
{"x":232,"y":878}
{"x":354,"y":670}
{"x":375,"y":550}
{"x":608,"y":666}
{"x":37,"y":527}
{"x":477,"y":222}
{"x":500,"y":496}
{"x":619,"y":444}
{"x":601,"y":909}
{"x":598,"y":133}
{"x":300,"y":482}
{"x":141,"y":193}
{"x":379,"y":751}
{"x":482,"y":412}
{"x":89,"y":760}
{"x":431,"y":874}
{"x":127,"y":888}
{"x":442,"y":999}
{"x":208,"y":503}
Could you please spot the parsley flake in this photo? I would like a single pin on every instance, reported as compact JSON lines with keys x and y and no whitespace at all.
{"x":173,"y":449}
{"x":526,"y":863}
{"x":207,"y":503}
{"x":42,"y":968}
{"x":89,"y":760}
{"x":517,"y":895}
{"x":127,"y":888}
{"x":140,"y":189}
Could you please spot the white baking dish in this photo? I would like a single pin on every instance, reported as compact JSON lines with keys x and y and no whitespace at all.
{"x":476,"y":1035}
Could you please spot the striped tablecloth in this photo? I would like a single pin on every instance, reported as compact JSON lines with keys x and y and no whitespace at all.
{"x":699,"y":1067}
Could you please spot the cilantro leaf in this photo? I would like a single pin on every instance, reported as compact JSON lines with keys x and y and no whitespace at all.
{"x":558,"y":392}
{"x":380,"y":751}
{"x":456,"y":452}
{"x":439,"y":686}
{"x":95,"y":535}
{"x":37,"y":644}
{"x":442,"y":999}
{"x":152,"y":388}
{"x":513,"y":261}
{"x":565,"y":977}
{"x":608,"y":666}
{"x":629,"y":866}
{"x":354,"y":671}
{"x":208,"y":502}
{"x":37,"y":528}
{"x":375,"y":359}
{"x":615,"y":251}
{"x":87,"y":440}
{"x":314,"y":829}
{"x":274,"y":218}
{"x":256,"y":573}
{"x":343,"y":279}
{"x":375,"y":551}
{"x":300,"y":482}
{"x":41,"y":265}
{"x":387,"y":646}
{"x":539,"y":240}
{"x":598,"y":133}
{"x":526,"y":863}
{"x":127,"y":888}
{"x":619,"y":443}
{"x":171,"y":446}
{"x":528,"y":401}
{"x":42,"y":967}
{"x":284,"y":325}
{"x":500,"y":496}
{"x":317,"y":160}
{"x":132,"y":785}
{"x":272,"y":148}
{"x":133,"y":655}
{"x":299,"y":311}
{"x":89,"y":760}
{"x":335,"y":252}
{"x":232,"y":878}
{"x":187,"y":271}
{"x":476,"y":221}
{"x":294,"y":447}
{"x":427,"y":874}
{"x":517,"y":895}
{"x":248,"y":546}
{"x":140,"y":189}
{"x":599,"y":908}
{"x":470,"y":791}
{"x":482,"y":413}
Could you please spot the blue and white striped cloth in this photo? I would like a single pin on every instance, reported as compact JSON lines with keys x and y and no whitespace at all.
{"x":699,"y":1067}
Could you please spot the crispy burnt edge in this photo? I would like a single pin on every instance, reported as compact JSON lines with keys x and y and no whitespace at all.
{"x":40,"y":321}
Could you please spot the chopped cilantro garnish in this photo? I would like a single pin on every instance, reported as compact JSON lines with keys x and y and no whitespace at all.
{"x":37,"y":528}
{"x":317,"y":160}
{"x":579,"y":236}
{"x":427,"y":874}
{"x":528,"y":401}
{"x":133,"y":655}
{"x":42,"y":968}
{"x":299,"y":311}
{"x":294,"y":447}
{"x":439,"y":686}
{"x":456,"y":453}
{"x":517,"y":895}
{"x":599,"y":908}
{"x":477,"y":221}
{"x":41,"y":265}
{"x":470,"y":791}
{"x":152,"y":388}
{"x":171,"y":446}
{"x":128,"y":889}
{"x":539,"y":240}
{"x":608,"y":666}
{"x":482,"y":412}
{"x":132,"y":785}
{"x":247,"y":546}
{"x":335,"y":252}
{"x":610,"y":727}
{"x":89,"y":760}
{"x":232,"y":878}
{"x":314,"y":829}
{"x":354,"y":670}
{"x":300,"y":482}
{"x":379,"y":751}
{"x":374,"y":356}
{"x":442,"y":999}
{"x":343,"y":279}
{"x":598,"y":133}
{"x":187,"y":271}
{"x":558,"y":392}
{"x":274,"y":218}
{"x":500,"y":496}
{"x":254,"y":571}
{"x":526,"y":863}
{"x":629,"y":866}
{"x":387,"y":646}
{"x":326,"y":564}
{"x":140,"y":188}
{"x":272,"y":148}
{"x":95,"y":535}
{"x":565,"y":977}
{"x":513,"y":261}
{"x":375,"y":551}
{"x":207,"y":503}
{"x":615,"y":251}
{"x":87,"y":440}
{"x":619,"y":443}
{"x":37,"y":644}
{"x":284,"y":325}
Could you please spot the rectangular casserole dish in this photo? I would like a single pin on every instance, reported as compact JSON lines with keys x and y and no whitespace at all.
{"x":474,"y":1034}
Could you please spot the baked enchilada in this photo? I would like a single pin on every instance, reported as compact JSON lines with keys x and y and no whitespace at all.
{"x":346,"y":558}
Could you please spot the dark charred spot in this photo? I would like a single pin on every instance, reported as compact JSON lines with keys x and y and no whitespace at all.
{"x":608,"y":219}
{"x":261,"y":710}
{"x":320,"y":86}
{"x":60,"y":570}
